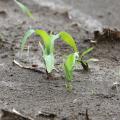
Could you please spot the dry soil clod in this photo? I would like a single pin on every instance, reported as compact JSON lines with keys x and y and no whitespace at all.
{"x":107,"y":35}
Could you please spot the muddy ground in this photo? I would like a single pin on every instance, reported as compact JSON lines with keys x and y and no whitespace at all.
{"x":29,"y":92}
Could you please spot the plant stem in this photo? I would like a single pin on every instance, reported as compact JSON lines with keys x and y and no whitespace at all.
{"x":49,"y":75}
{"x":85,"y":65}
{"x":69,"y":86}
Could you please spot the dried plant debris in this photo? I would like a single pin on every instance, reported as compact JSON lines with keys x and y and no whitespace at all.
{"x":7,"y":115}
{"x":107,"y":34}
{"x":33,"y":67}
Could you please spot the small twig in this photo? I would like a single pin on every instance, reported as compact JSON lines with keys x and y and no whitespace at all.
{"x":86,"y":115}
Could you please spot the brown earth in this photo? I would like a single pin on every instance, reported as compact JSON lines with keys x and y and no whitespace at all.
{"x":31,"y":93}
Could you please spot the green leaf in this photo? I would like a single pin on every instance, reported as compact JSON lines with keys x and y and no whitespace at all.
{"x":68,"y":73}
{"x":25,"y":38}
{"x":46,"y":39}
{"x":52,"y":40}
{"x":24,"y":9}
{"x":86,"y":52}
{"x":69,"y":40}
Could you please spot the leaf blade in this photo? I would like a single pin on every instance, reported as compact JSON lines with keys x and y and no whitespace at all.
{"x":69,"y":40}
{"x":52,"y":40}
{"x":46,"y":39}
{"x":86,"y":51}
{"x":25,"y":38}
{"x":24,"y":9}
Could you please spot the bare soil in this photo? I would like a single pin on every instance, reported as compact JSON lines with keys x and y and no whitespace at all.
{"x":32,"y":93}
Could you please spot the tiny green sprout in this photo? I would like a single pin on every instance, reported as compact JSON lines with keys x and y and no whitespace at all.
{"x":83,"y":62}
{"x":24,"y":9}
{"x":69,"y":68}
{"x":47,"y":46}
{"x":66,"y":37}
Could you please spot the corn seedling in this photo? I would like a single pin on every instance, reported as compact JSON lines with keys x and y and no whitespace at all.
{"x":71,"y":59}
{"x":47,"y":46}
{"x":69,"y":68}
{"x":83,"y":62}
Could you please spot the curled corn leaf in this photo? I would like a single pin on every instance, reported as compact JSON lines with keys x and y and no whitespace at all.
{"x":69,"y":66}
{"x":49,"y":62}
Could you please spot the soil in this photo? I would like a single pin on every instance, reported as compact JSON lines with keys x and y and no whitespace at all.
{"x":31,"y":93}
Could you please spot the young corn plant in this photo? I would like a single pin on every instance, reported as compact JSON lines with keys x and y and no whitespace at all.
{"x":69,"y":69}
{"x":47,"y":46}
{"x":84,"y":62}
{"x":71,"y":59}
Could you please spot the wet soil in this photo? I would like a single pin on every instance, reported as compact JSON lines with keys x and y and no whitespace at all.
{"x":32,"y":93}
